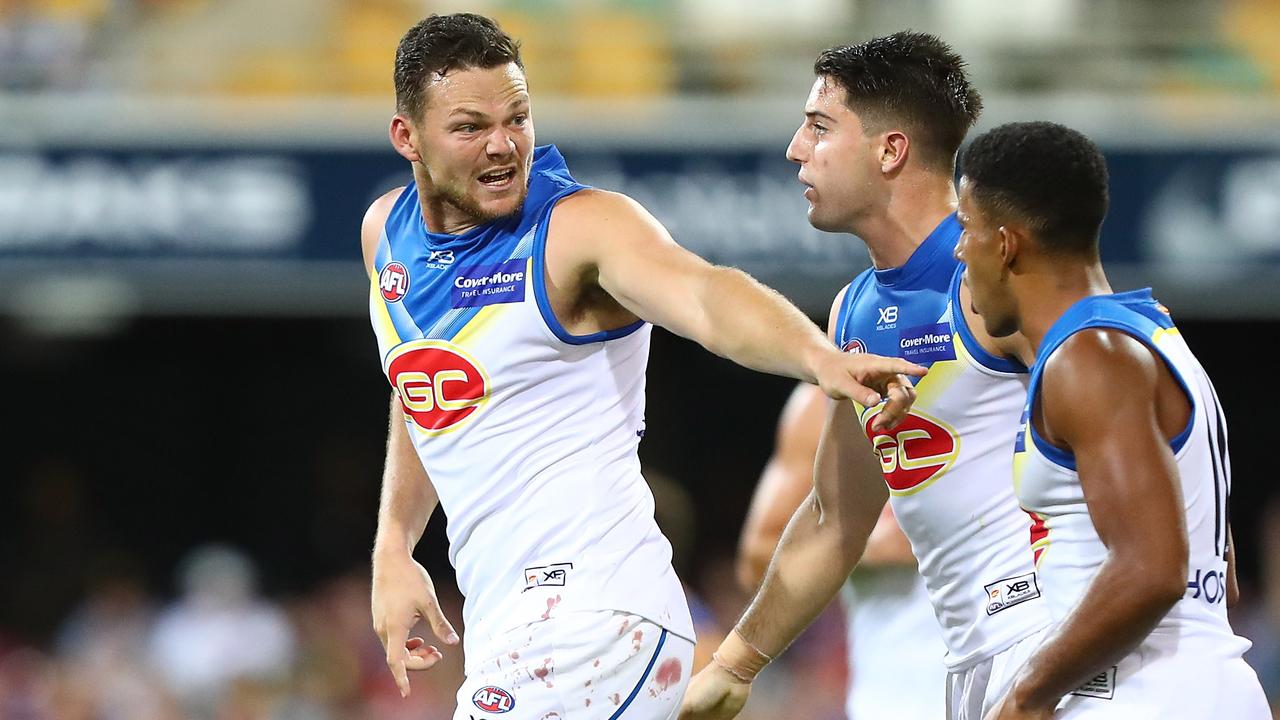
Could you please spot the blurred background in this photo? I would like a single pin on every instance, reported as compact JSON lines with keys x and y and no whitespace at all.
{"x":193,"y":413}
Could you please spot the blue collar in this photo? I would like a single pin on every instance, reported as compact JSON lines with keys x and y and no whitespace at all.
{"x":942,"y":239}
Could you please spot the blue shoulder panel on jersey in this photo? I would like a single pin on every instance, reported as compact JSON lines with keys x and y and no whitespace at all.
{"x":1134,"y":313}
{"x":855,"y":290}
{"x":544,"y":302}
{"x":563,"y":186}
{"x":975,"y":350}
{"x":444,"y":271}
{"x":902,"y":311}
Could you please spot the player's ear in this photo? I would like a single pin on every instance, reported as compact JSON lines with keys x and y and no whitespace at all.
{"x":894,"y":146}
{"x":404,"y":138}
{"x":1012,"y":242}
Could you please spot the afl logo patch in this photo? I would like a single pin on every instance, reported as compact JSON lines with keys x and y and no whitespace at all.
{"x":493,"y":699}
{"x":855,"y":346}
{"x":439,"y":385}
{"x":393,"y":281}
{"x":915,"y":453}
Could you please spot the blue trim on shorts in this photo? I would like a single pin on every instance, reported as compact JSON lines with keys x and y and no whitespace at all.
{"x":636,"y":690}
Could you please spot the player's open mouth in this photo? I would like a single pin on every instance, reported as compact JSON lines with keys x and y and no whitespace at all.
{"x":498,"y":179}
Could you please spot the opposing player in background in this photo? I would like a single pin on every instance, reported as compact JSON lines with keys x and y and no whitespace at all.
{"x":510,"y":307}
{"x":889,"y":619}
{"x":877,"y":155}
{"x":1123,"y":459}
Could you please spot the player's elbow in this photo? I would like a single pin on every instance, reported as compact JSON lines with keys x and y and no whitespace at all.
{"x":1160,"y":581}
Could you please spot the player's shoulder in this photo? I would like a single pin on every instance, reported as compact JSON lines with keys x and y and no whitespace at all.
{"x":836,"y":305}
{"x":591,"y":223}
{"x":374,"y":220}
{"x":1100,"y":363}
{"x":593,"y":206}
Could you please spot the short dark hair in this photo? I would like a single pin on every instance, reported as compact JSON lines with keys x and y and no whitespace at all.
{"x":441,"y":43}
{"x":1050,"y":176}
{"x":911,"y":78}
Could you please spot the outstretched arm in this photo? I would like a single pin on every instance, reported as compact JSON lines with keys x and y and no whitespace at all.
{"x":615,"y":244}
{"x":1130,"y":484}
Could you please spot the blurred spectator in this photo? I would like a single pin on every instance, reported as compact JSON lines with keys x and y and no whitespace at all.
{"x":105,"y":641}
{"x":220,"y":639}
{"x":27,"y":685}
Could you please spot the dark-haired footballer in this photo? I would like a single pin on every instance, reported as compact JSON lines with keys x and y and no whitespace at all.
{"x":511,"y":307}
{"x":877,"y":154}
{"x":1123,"y":460}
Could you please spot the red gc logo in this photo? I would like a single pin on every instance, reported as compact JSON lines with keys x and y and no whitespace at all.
{"x":493,"y":699}
{"x":393,"y":281}
{"x":915,"y":453}
{"x":439,"y":385}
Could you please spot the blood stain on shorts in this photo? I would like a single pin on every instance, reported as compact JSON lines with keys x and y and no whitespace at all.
{"x":625,"y":624}
{"x":542,"y":672}
{"x":551,"y":603}
{"x":636,"y":639}
{"x":669,"y":673}
{"x":616,"y":698}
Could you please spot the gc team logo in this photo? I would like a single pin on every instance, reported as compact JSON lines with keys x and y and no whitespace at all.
{"x":491,"y":698}
{"x":855,"y":346}
{"x":915,"y":453}
{"x":439,"y":385}
{"x":393,"y":281}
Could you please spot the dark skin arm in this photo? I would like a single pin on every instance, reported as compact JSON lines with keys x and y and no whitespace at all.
{"x":1131,"y":486}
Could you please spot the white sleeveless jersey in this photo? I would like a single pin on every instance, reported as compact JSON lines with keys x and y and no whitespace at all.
{"x":1068,"y":552}
{"x":529,"y":434}
{"x":949,"y":464}
{"x":891,"y":630}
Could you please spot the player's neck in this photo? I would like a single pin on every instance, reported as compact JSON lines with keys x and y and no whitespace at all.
{"x":914,"y":209}
{"x":1050,"y":291}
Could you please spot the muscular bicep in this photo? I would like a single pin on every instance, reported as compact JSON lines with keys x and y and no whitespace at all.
{"x":1098,"y":397}
{"x":625,"y":250}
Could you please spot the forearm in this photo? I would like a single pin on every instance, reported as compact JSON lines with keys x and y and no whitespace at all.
{"x":1117,"y":611}
{"x":757,"y":327}
{"x":813,"y":559}
{"x":408,"y":498}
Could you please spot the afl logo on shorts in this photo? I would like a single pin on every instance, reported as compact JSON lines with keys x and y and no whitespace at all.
{"x":855,"y":346}
{"x":439,"y":385}
{"x":493,"y":699}
{"x":914,"y":454}
{"x":393,"y":281}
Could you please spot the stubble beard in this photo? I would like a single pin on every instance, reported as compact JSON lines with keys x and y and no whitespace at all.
{"x":466,"y":204}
